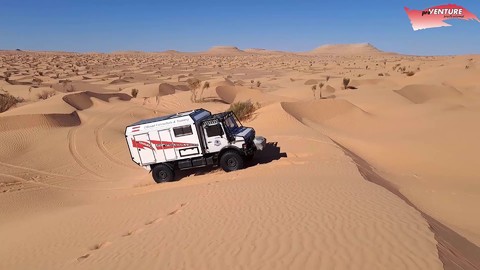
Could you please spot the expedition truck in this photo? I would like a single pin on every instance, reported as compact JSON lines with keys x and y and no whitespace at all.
{"x":191,"y":139}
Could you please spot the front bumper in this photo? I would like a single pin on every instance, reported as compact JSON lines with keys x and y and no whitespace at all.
{"x":260,"y":142}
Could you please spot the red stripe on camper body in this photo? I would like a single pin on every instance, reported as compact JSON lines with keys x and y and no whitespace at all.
{"x":141,"y":144}
{"x":169,"y":145}
{"x":160,"y":145}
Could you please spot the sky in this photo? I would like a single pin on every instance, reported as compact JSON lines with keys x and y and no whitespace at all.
{"x":302,"y":25}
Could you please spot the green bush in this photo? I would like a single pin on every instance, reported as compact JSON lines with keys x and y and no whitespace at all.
{"x":244,"y":109}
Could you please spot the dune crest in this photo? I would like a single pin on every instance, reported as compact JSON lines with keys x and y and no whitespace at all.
{"x":321,"y":111}
{"x":423,"y":93}
{"x":83,"y":100}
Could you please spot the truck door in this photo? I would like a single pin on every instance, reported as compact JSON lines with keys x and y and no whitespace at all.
{"x":167,"y":144}
{"x":144,"y":148}
{"x":215,"y":137}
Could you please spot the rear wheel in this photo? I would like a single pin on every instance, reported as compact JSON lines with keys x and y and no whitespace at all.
{"x":163,"y":173}
{"x":231,"y":161}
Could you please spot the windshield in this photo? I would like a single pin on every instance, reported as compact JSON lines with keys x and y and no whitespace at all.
{"x":231,"y":123}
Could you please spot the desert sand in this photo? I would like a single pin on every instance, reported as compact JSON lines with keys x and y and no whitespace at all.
{"x":381,"y":175}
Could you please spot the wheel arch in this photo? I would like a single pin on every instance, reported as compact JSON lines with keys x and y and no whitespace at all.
{"x":230,"y":148}
{"x":169,"y":164}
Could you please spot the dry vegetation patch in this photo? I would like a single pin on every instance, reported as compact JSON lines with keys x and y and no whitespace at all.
{"x":244,"y":109}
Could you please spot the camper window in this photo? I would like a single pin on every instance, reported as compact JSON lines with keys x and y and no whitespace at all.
{"x":182,"y":131}
{"x":214,"y":130}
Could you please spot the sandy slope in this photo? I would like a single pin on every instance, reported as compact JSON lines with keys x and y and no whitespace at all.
{"x":72,"y":199}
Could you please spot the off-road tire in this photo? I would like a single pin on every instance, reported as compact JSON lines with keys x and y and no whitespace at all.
{"x":231,"y":161}
{"x":163,"y":173}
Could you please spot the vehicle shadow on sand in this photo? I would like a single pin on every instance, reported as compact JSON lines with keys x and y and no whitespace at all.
{"x":270,"y":152}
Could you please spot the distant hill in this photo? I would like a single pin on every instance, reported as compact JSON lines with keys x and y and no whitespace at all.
{"x":224,"y":50}
{"x":329,"y":49}
{"x":127,"y":52}
{"x":340,"y":49}
{"x":263,"y":51}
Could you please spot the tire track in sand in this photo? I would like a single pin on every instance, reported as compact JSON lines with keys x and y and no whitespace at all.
{"x":72,"y":146}
{"x":98,"y":138}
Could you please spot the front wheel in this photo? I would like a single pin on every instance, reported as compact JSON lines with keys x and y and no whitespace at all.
{"x":162,"y":173}
{"x":231,"y":161}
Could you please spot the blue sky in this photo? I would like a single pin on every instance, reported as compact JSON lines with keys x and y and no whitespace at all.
{"x":104,"y":26}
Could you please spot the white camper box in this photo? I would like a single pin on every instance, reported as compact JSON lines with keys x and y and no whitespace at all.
{"x":190,"y":140}
{"x":167,"y":138}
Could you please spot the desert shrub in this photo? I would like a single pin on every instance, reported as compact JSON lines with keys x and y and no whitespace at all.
{"x":37,"y":81}
{"x":7,"y":101}
{"x":346,"y":81}
{"x":46,"y":94}
{"x":258,"y":83}
{"x":320,"y":90}
{"x":193,"y":84}
{"x":327,"y":78}
{"x":410,"y":73}
{"x":70,"y":88}
{"x":380,"y":74}
{"x":134,"y":92}
{"x":244,"y":109}
{"x":206,"y":85}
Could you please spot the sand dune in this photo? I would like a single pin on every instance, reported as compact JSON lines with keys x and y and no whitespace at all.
{"x":321,"y":111}
{"x":381,"y":177}
{"x":423,"y":93}
{"x":231,"y":94}
{"x":82,"y":101}
{"x":20,"y":122}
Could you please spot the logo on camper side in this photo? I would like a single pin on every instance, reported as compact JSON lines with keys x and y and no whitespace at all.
{"x":436,"y":16}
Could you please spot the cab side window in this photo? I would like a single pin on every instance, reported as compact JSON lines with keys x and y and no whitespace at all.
{"x":214,"y":130}
{"x":182,"y":131}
